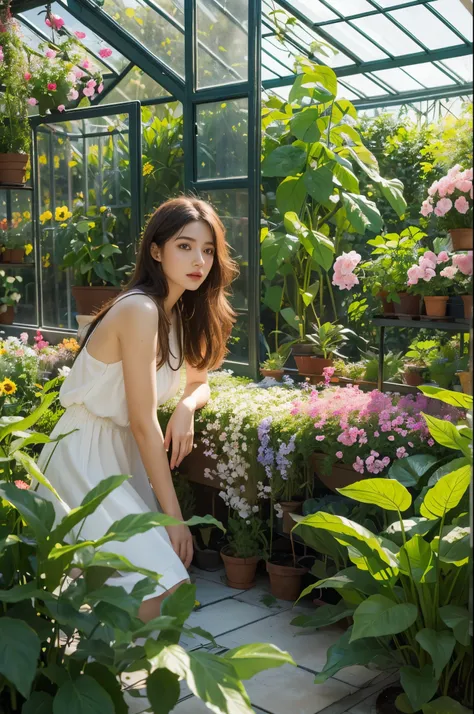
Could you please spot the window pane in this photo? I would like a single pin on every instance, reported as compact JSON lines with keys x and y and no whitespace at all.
{"x":162,"y":154}
{"x":238,"y":343}
{"x":366,"y":86}
{"x":313,"y":10}
{"x":426,"y":27}
{"x":397,"y":79}
{"x":222,"y":42}
{"x":84,"y":176}
{"x":351,"y":8}
{"x":16,"y":234}
{"x":461,"y":65}
{"x":222,"y":139}
{"x":355,"y":42}
{"x":150,"y":29}
{"x":429,"y":75}
{"x":458,"y":15}
{"x":386,"y":33}
{"x":136,"y":85}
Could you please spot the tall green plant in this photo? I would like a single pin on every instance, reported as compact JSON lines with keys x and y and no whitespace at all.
{"x":408,"y":588}
{"x":313,"y":156}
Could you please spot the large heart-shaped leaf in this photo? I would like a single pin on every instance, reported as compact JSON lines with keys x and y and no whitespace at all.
{"x":420,"y":685}
{"x":447,"y":434}
{"x":345,"y":653}
{"x":276,"y":249}
{"x":180,"y":604}
{"x":109,"y":682}
{"x":284,"y":161}
{"x":249,"y":660}
{"x":455,"y":545}
{"x":320,"y":248}
{"x":38,"y":703}
{"x":446,"y":493}
{"x":416,"y":525}
{"x":409,"y":471}
{"x":439,"y":645}
{"x":346,"y":178}
{"x":379,"y":615}
{"x":303,"y":125}
{"x":452,"y":465}
{"x":417,"y":560}
{"x":162,"y":689}
{"x":37,"y":512}
{"x":82,"y":696}
{"x":19,"y":651}
{"x":392,"y":191}
{"x":291,"y":194}
{"x":456,"y":399}
{"x":457,"y":618}
{"x":324,"y":616}
{"x":362,"y":214}
{"x":273,"y":297}
{"x":319,"y":183}
{"x":445,"y":705}
{"x":386,"y":493}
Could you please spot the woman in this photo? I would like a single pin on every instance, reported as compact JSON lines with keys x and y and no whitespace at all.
{"x":174,"y":310}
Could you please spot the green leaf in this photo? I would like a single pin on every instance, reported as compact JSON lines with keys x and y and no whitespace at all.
{"x":456,"y":399}
{"x":114,"y":595}
{"x":38,"y":703}
{"x":386,"y":493}
{"x":347,"y":179}
{"x":417,"y":560}
{"x":284,"y":161}
{"x":378,"y":616}
{"x":109,"y":682}
{"x":303,"y":125}
{"x":392,"y":191}
{"x":276,"y":249}
{"x":37,"y":512}
{"x":289,"y":315}
{"x":410,"y":470}
{"x":180,"y":604}
{"x":19,"y":651}
{"x":30,"y":590}
{"x":326,"y":615}
{"x":453,"y":465}
{"x":273,"y":297}
{"x":439,"y":645}
{"x":362,"y":214}
{"x":31,"y":419}
{"x":446,"y":493}
{"x":416,"y":525}
{"x":162,"y":690}
{"x":249,"y":660}
{"x":447,"y":434}
{"x":82,"y":696}
{"x":419,"y":685}
{"x":455,"y":545}
{"x":291,"y":194}
{"x":33,"y":471}
{"x":457,"y":618}
{"x":321,"y":75}
{"x":319,"y":183}
{"x":103,"y":559}
{"x":321,"y":249}
{"x":345,"y":653}
{"x":310,"y":294}
{"x":444,"y":705}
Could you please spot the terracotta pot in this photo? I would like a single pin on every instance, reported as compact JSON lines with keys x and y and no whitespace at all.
{"x":6,"y":255}
{"x":275,"y":373}
{"x":240,"y":572}
{"x":90,"y":299}
{"x":6,"y":318}
{"x":387,"y":307}
{"x":408,"y":305}
{"x":302,"y":348}
{"x":413,"y":376}
{"x":17,"y":255}
{"x":312,"y":365}
{"x":467,"y":300}
{"x":341,"y":474}
{"x":289,"y":507}
{"x":285,"y":580}
{"x":435,"y":305}
{"x":466,"y":381}
{"x":12,"y":168}
{"x":461,"y":238}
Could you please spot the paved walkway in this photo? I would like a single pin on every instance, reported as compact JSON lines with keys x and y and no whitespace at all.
{"x":237,"y":617}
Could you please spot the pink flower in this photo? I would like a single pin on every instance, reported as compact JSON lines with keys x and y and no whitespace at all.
{"x":27,"y":76}
{"x":56,"y":22}
{"x":32,"y":101}
{"x":431,"y":442}
{"x":21,"y":485}
{"x":428,"y":275}
{"x":320,"y":437}
{"x":376,"y":434}
{"x":344,"y":267}
{"x":2,"y":56}
{"x":91,"y":83}
{"x":463,"y":261}
{"x":391,"y":438}
{"x":443,"y":257}
{"x":401,"y":452}
{"x":73,"y":95}
{"x":426,"y":208}
{"x":454,"y":171}
{"x":443,"y":206}
{"x":80,"y":35}
{"x":449,"y":272}
{"x":358,"y":465}
{"x":88,"y":91}
{"x":61,"y":108}
{"x":461,"y":204}
{"x":78,"y":73}
{"x":85,"y":63}
{"x":432,"y":189}
{"x":105,"y":52}
{"x":52,"y":86}
{"x":428,"y":259}
{"x":50,"y":54}
{"x":100,"y":88}
{"x":24,"y":337}
{"x":339,"y":455}
{"x":468,"y":174}
{"x":464,"y":186}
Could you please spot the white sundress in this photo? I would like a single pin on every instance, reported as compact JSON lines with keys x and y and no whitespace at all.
{"x":93,"y":395}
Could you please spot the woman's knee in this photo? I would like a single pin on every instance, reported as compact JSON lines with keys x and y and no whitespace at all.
{"x":151,"y":608}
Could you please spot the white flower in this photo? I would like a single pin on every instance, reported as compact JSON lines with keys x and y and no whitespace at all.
{"x":63,"y":371}
{"x":15,"y":296}
{"x":10,"y":279}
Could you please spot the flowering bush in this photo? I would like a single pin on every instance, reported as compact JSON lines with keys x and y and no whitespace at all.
{"x":450,"y":199}
{"x":370,"y":430}
{"x":14,"y":133}
{"x":440,"y":274}
{"x":9,"y":294}
{"x":16,"y":233}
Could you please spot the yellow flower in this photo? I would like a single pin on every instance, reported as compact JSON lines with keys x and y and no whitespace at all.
{"x":43,"y":160}
{"x":39,"y":386}
{"x":56,"y":162}
{"x":45,"y":260}
{"x":62,"y":213}
{"x":147,"y":168}
{"x":46,"y":216}
{"x":91,"y":224}
{"x":26,"y":215}
{"x":63,"y":225}
{"x":103,"y":209}
{"x":72,"y":163}
{"x":7,"y":387}
{"x":3,"y":351}
{"x":28,"y":248}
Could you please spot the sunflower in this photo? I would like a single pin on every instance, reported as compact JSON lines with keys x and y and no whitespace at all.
{"x":62,"y":213}
{"x":7,"y":387}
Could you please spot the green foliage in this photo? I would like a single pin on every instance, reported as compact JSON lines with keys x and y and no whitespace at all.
{"x":412,"y":581}
{"x":328,"y":338}
{"x":14,"y":125}
{"x":449,"y":142}
{"x":421,"y":352}
{"x":247,"y":537}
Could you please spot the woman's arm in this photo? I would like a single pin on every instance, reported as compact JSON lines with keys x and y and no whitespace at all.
{"x":180,"y":429}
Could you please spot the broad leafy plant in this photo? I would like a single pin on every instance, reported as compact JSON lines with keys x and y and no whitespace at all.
{"x":408,"y":588}
{"x":47,"y":606}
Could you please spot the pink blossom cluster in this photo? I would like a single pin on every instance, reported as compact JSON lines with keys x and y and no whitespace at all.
{"x":2,"y":56}
{"x":344,"y":267}
{"x":438,"y":200}
{"x":38,"y":338}
{"x":429,"y":263}
{"x":463,"y":262}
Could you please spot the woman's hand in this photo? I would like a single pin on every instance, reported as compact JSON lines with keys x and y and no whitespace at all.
{"x":182,"y":542}
{"x":180,"y":431}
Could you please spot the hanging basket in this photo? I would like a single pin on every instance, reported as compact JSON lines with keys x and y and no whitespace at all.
{"x":12,"y":168}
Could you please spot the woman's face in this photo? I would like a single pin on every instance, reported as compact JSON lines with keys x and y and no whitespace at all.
{"x":187,"y":257}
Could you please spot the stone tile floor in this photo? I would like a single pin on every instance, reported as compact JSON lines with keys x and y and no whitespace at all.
{"x":237,"y":617}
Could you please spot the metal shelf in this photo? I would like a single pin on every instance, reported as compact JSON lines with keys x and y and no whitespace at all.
{"x":15,"y":187}
{"x":453,"y":325}
{"x":16,"y":265}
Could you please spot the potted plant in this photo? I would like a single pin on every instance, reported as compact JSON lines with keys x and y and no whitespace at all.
{"x":245,"y":548}
{"x":432,"y":278}
{"x":325,"y":342}
{"x":9,"y":296}
{"x":443,"y":364}
{"x":90,"y":252}
{"x":464,"y":374}
{"x":15,"y":135}
{"x":463,"y":280}
{"x":450,"y":200}
{"x":417,"y":360}
{"x":14,"y":238}
{"x":274,"y":365}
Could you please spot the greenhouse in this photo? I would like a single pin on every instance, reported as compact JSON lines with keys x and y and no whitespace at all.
{"x":282,"y":526}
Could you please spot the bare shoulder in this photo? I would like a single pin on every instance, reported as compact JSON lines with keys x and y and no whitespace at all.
{"x":136,"y":310}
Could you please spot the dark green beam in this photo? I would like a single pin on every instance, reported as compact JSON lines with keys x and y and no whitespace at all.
{"x":419,"y":95}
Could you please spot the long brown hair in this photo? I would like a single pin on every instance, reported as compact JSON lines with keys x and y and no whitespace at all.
{"x":206,"y":316}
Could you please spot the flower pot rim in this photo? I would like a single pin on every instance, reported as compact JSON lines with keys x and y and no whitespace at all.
{"x":289,"y":569}
{"x":250,"y":559}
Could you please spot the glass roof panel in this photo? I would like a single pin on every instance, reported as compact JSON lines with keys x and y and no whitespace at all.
{"x":136,"y":85}
{"x":387,"y":4}
{"x":458,"y":15}
{"x":173,"y":8}
{"x":345,"y":92}
{"x":429,"y":75}
{"x":398,"y":79}
{"x":426,"y":27}
{"x":385,"y":32}
{"x":355,"y":42}
{"x":271,"y":63}
{"x":353,"y":7}
{"x":91,"y":42}
{"x":365,"y":85}
{"x":283,"y":54}
{"x":314,"y":10}
{"x":462,"y":66}
{"x":150,"y":29}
